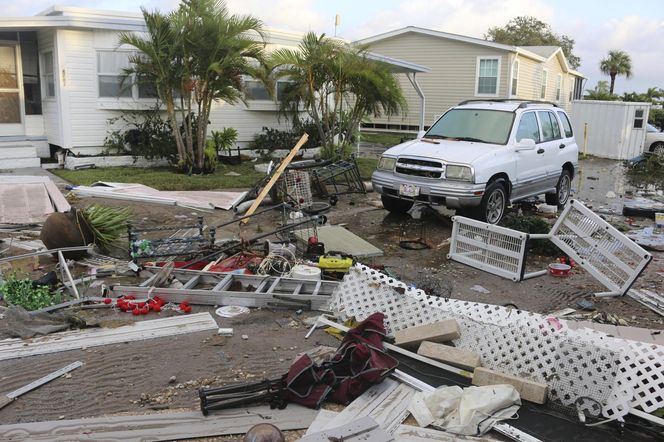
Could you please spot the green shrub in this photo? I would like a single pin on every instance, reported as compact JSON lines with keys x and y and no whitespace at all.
{"x":106,"y":223}
{"x":224,"y":140}
{"x":656,"y":117}
{"x":271,"y":139}
{"x":22,"y":292}
{"x":646,"y":171}
{"x":532,"y":224}
{"x":143,"y":134}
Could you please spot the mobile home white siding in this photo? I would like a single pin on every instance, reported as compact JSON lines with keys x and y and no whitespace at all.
{"x":50,"y":106}
{"x":88,"y":115}
{"x":611,"y":128}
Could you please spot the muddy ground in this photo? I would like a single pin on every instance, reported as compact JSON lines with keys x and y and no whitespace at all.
{"x":134,"y":377}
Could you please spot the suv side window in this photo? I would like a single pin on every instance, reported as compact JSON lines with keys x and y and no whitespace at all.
{"x":566,"y":124}
{"x":528,"y":128}
{"x":550,"y":127}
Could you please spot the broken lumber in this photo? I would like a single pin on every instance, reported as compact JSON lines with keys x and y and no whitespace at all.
{"x":162,"y":426}
{"x":284,"y":163}
{"x":362,"y":429}
{"x":75,"y":340}
{"x":458,"y":357}
{"x":441,"y":331}
{"x":529,"y":390}
{"x":10,"y":397}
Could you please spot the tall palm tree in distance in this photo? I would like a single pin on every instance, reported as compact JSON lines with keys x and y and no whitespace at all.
{"x":616,"y":63}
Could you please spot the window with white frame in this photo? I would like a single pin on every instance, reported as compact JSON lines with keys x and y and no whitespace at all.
{"x":256,"y":90}
{"x":559,"y":87}
{"x":487,"y":76}
{"x":112,"y":80}
{"x":47,"y":74}
{"x":515,"y":79}
{"x":545,"y":76}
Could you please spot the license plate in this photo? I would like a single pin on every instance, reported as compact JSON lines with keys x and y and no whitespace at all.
{"x":409,"y":190}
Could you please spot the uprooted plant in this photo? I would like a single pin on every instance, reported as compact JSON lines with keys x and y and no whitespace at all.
{"x":107,"y":224}
{"x":22,"y":291}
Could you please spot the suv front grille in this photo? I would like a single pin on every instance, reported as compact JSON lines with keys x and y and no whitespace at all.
{"x":421,"y":168}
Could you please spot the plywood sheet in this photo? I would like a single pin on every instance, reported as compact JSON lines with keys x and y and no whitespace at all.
{"x":22,"y":203}
{"x":337,"y":238}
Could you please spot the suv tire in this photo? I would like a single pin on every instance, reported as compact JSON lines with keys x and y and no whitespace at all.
{"x":494,"y":203}
{"x":657,"y":148}
{"x":563,"y":190}
{"x":396,"y":205}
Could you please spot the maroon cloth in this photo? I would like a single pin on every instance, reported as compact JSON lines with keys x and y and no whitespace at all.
{"x":359,"y":362}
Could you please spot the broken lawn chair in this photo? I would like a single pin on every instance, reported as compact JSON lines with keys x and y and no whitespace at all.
{"x":359,"y":362}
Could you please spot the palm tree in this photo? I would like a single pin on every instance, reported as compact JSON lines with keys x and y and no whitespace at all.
{"x":653,"y":94}
{"x":337,"y":84}
{"x":617,"y":63}
{"x":194,"y":56}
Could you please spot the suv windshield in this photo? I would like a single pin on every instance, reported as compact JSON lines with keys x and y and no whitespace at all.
{"x":484,"y":126}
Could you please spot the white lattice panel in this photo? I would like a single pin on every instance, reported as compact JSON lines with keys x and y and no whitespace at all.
{"x":298,"y":187}
{"x":617,"y":373}
{"x":494,"y":249}
{"x":615,"y":260}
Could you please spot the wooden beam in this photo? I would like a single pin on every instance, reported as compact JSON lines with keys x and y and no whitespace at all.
{"x":162,"y":426}
{"x":74,"y":340}
{"x":284,"y":163}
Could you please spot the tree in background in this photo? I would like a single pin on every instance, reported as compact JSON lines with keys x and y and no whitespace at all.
{"x":194,"y":56}
{"x":616,"y":63}
{"x":338,"y":85}
{"x":529,"y":31}
{"x":600,"y":92}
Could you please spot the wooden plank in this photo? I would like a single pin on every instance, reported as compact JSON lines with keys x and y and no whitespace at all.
{"x":364,"y":429}
{"x":322,"y":419}
{"x":57,"y":198}
{"x":284,"y":163}
{"x":365,"y":404}
{"x":160,"y":427}
{"x":339,"y":239}
{"x":74,"y":340}
{"x":393,"y":410}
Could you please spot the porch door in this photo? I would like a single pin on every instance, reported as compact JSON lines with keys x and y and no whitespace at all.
{"x":11,"y":92}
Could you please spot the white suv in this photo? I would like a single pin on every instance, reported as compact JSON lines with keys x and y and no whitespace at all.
{"x":480,"y":156}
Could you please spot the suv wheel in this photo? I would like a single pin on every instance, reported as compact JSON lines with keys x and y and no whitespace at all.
{"x":396,"y":205}
{"x":494,"y":203}
{"x":563,"y":190}
{"x":657,"y":148}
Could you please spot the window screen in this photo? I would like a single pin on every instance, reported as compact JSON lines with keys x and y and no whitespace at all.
{"x":487,"y":81}
{"x":111,"y":78}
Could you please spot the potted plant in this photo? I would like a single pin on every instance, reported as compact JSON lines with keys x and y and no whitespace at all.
{"x":224,"y":140}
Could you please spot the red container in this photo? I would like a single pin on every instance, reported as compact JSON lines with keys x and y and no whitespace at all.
{"x":558,"y":269}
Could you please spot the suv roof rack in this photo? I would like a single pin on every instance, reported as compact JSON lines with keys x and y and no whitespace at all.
{"x":522,"y":103}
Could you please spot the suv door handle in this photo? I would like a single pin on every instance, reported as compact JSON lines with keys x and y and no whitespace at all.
{"x":540,"y":150}
{"x":562,"y":146}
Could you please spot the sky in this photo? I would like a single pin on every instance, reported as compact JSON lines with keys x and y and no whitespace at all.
{"x":636,"y":27}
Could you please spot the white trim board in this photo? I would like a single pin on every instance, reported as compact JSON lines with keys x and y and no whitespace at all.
{"x":159,"y":427}
{"x":75,"y":340}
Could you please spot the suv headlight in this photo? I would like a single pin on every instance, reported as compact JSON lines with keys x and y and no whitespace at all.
{"x":460,"y":173}
{"x":386,"y":163}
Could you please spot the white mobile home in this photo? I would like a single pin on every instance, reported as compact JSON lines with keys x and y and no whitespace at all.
{"x":610,"y":129}
{"x":60,"y":82}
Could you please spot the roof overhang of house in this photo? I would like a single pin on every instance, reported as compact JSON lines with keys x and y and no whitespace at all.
{"x":92,"y":22}
{"x":398,"y":66}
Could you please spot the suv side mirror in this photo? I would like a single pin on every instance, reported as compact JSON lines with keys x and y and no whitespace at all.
{"x":525,"y":144}
{"x":420,"y":134}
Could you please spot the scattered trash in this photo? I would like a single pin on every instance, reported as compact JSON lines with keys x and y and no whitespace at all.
{"x":585,"y":304}
{"x":225,"y":332}
{"x":231,"y":311}
{"x":479,"y":289}
{"x":648,"y":238}
{"x":611,"y":194}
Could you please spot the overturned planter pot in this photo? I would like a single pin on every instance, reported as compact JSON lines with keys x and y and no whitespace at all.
{"x":64,"y":230}
{"x":72,"y":162}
